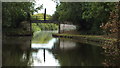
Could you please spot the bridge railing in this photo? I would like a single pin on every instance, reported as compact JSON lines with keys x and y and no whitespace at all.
{"x":46,"y":21}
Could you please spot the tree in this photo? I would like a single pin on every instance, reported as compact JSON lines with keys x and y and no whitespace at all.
{"x":16,"y":12}
{"x":87,"y":16}
{"x":112,"y":25}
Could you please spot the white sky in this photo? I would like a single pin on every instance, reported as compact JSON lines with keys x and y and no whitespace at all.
{"x":48,"y":4}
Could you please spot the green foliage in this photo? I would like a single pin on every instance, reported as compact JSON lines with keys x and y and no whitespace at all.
{"x":16,"y":12}
{"x":87,"y":16}
{"x":68,"y":12}
{"x":43,"y":26}
{"x":41,"y":37}
{"x":98,"y":13}
{"x":112,"y":25}
{"x":35,"y":27}
{"x":40,"y":16}
{"x":16,"y":16}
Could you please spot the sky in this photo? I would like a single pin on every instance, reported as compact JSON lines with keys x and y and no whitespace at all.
{"x":48,"y":4}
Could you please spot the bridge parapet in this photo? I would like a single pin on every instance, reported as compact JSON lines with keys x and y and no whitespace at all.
{"x":44,"y":21}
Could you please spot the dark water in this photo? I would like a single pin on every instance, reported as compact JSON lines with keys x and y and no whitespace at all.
{"x":44,"y":50}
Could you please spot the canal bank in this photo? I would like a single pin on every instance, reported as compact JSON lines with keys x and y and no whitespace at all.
{"x":88,"y":39}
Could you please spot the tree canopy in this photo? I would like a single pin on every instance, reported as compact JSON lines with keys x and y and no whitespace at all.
{"x":88,"y":16}
{"x":15,"y":12}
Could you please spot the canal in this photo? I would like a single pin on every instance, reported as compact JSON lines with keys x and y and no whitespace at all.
{"x":44,"y":50}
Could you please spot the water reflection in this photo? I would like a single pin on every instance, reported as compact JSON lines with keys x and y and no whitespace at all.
{"x":44,"y":58}
{"x":79,"y":55}
{"x":16,"y":51}
{"x":48,"y":45}
{"x":42,"y":36}
{"x":21,"y":51}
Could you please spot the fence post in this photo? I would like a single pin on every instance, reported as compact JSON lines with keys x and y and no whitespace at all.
{"x":45,"y":15}
{"x":59,"y":28}
{"x":29,"y":19}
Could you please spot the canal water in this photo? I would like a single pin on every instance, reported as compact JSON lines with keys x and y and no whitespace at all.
{"x":44,"y":50}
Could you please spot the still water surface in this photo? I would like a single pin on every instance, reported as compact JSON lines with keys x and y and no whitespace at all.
{"x":44,"y":50}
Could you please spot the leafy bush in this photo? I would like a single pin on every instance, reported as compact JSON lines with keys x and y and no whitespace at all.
{"x":44,"y":26}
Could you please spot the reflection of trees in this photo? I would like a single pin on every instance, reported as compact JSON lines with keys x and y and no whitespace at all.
{"x":112,"y":53}
{"x":16,"y":51}
{"x":88,"y":55}
{"x":42,"y":37}
{"x":81,"y":55}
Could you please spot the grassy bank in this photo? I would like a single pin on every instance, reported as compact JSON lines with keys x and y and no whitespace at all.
{"x":89,"y":39}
